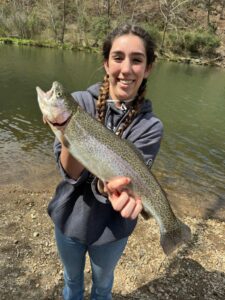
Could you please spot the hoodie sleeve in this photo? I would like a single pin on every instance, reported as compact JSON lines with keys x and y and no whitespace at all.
{"x":146,"y":135}
{"x":84,"y":175}
{"x":87,"y":99}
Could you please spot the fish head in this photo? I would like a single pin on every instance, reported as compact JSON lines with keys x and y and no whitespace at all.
{"x":56,"y":104}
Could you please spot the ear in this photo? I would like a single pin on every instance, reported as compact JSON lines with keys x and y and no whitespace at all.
{"x":106,"y":66}
{"x":148,"y":71}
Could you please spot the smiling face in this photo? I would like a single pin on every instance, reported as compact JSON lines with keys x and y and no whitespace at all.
{"x":126,"y":67}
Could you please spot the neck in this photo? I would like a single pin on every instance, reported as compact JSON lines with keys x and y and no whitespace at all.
{"x":121,"y":104}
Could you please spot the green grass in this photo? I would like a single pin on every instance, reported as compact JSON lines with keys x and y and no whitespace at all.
{"x":35,"y":43}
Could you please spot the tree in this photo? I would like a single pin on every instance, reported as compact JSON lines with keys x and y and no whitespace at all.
{"x":55,"y":14}
{"x":169,"y":10}
{"x":222,"y":9}
{"x":134,"y":9}
{"x":208,"y":5}
{"x":21,"y":17}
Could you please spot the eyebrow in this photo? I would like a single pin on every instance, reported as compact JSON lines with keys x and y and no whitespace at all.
{"x":132,"y":53}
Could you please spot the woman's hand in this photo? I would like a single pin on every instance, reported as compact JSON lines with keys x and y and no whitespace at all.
{"x":121,"y":198}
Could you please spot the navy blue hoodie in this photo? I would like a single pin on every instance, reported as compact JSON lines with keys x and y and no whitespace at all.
{"x":77,"y":208}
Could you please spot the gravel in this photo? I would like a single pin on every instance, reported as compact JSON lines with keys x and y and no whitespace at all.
{"x":30,"y":267}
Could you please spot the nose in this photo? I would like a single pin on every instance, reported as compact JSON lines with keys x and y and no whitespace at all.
{"x":126,"y":66}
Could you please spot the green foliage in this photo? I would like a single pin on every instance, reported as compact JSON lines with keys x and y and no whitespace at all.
{"x":4,"y":28}
{"x":154,"y":31}
{"x":84,"y":24}
{"x":3,"y":31}
{"x":36,"y":43}
{"x":100,"y":28}
{"x":34,"y":25}
{"x":201,"y":42}
{"x":194,"y":42}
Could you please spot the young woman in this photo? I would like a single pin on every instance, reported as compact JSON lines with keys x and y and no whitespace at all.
{"x":89,"y":216}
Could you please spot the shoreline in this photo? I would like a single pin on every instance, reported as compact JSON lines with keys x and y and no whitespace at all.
{"x":218,"y":61}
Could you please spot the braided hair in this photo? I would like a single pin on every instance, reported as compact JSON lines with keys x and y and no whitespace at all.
{"x":104,"y":89}
{"x":103,"y":96}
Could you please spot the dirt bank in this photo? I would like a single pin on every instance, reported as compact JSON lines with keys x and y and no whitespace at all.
{"x":30,"y":268}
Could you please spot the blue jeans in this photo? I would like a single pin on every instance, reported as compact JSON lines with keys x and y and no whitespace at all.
{"x":103,"y":262}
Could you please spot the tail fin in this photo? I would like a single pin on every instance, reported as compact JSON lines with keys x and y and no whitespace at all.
{"x":173,"y":239}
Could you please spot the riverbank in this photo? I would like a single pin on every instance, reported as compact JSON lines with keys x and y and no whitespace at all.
{"x":217,"y":60}
{"x":46,"y":44}
{"x":30,"y":268}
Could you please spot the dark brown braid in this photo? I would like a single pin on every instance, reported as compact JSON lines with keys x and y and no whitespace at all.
{"x":134,"y":109}
{"x":101,"y":102}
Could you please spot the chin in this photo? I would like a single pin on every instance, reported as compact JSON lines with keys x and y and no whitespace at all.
{"x":124,"y":96}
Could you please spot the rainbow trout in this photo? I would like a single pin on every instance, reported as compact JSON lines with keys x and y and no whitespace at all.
{"x":106,"y":156}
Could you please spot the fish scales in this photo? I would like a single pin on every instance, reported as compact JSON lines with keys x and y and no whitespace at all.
{"x":106,"y":155}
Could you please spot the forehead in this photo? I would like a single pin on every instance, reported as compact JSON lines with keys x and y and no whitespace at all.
{"x":128,"y":43}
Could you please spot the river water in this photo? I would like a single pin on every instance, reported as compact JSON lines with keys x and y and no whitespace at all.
{"x":190,"y":100}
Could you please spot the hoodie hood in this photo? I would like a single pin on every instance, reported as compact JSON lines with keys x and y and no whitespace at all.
{"x":94,"y":91}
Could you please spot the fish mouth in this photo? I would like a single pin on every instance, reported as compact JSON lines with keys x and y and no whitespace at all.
{"x":55,"y":124}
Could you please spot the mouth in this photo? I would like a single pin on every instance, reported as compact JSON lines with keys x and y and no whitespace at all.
{"x":126,"y":81}
{"x":49,"y":93}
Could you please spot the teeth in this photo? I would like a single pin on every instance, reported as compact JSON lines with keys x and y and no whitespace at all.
{"x":126,"y":81}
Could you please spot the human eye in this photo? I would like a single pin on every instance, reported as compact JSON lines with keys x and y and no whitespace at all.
{"x":117,"y":58}
{"x":137,"y":60}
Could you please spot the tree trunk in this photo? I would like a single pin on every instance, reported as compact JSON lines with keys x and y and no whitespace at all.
{"x":222,"y":9}
{"x":63,"y":22}
{"x":108,"y":12}
{"x":164,"y":35}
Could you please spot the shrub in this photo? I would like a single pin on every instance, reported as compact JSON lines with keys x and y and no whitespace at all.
{"x":154,"y":32}
{"x":99,"y":29}
{"x":201,"y":42}
{"x":194,"y":42}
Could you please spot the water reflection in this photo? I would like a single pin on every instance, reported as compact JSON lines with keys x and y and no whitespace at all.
{"x":190,"y":101}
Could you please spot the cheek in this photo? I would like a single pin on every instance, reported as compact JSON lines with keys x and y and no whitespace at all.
{"x":141,"y":74}
{"x":139,"y":70}
{"x":113,"y":75}
{"x":113,"y":69}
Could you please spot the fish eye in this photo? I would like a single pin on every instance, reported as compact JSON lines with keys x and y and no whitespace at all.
{"x":58,"y":94}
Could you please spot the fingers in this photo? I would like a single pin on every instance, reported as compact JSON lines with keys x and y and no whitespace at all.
{"x":128,"y":206}
{"x":137,"y":209}
{"x":132,"y":208}
{"x":117,"y":183}
{"x":119,"y":201}
{"x":121,"y":198}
